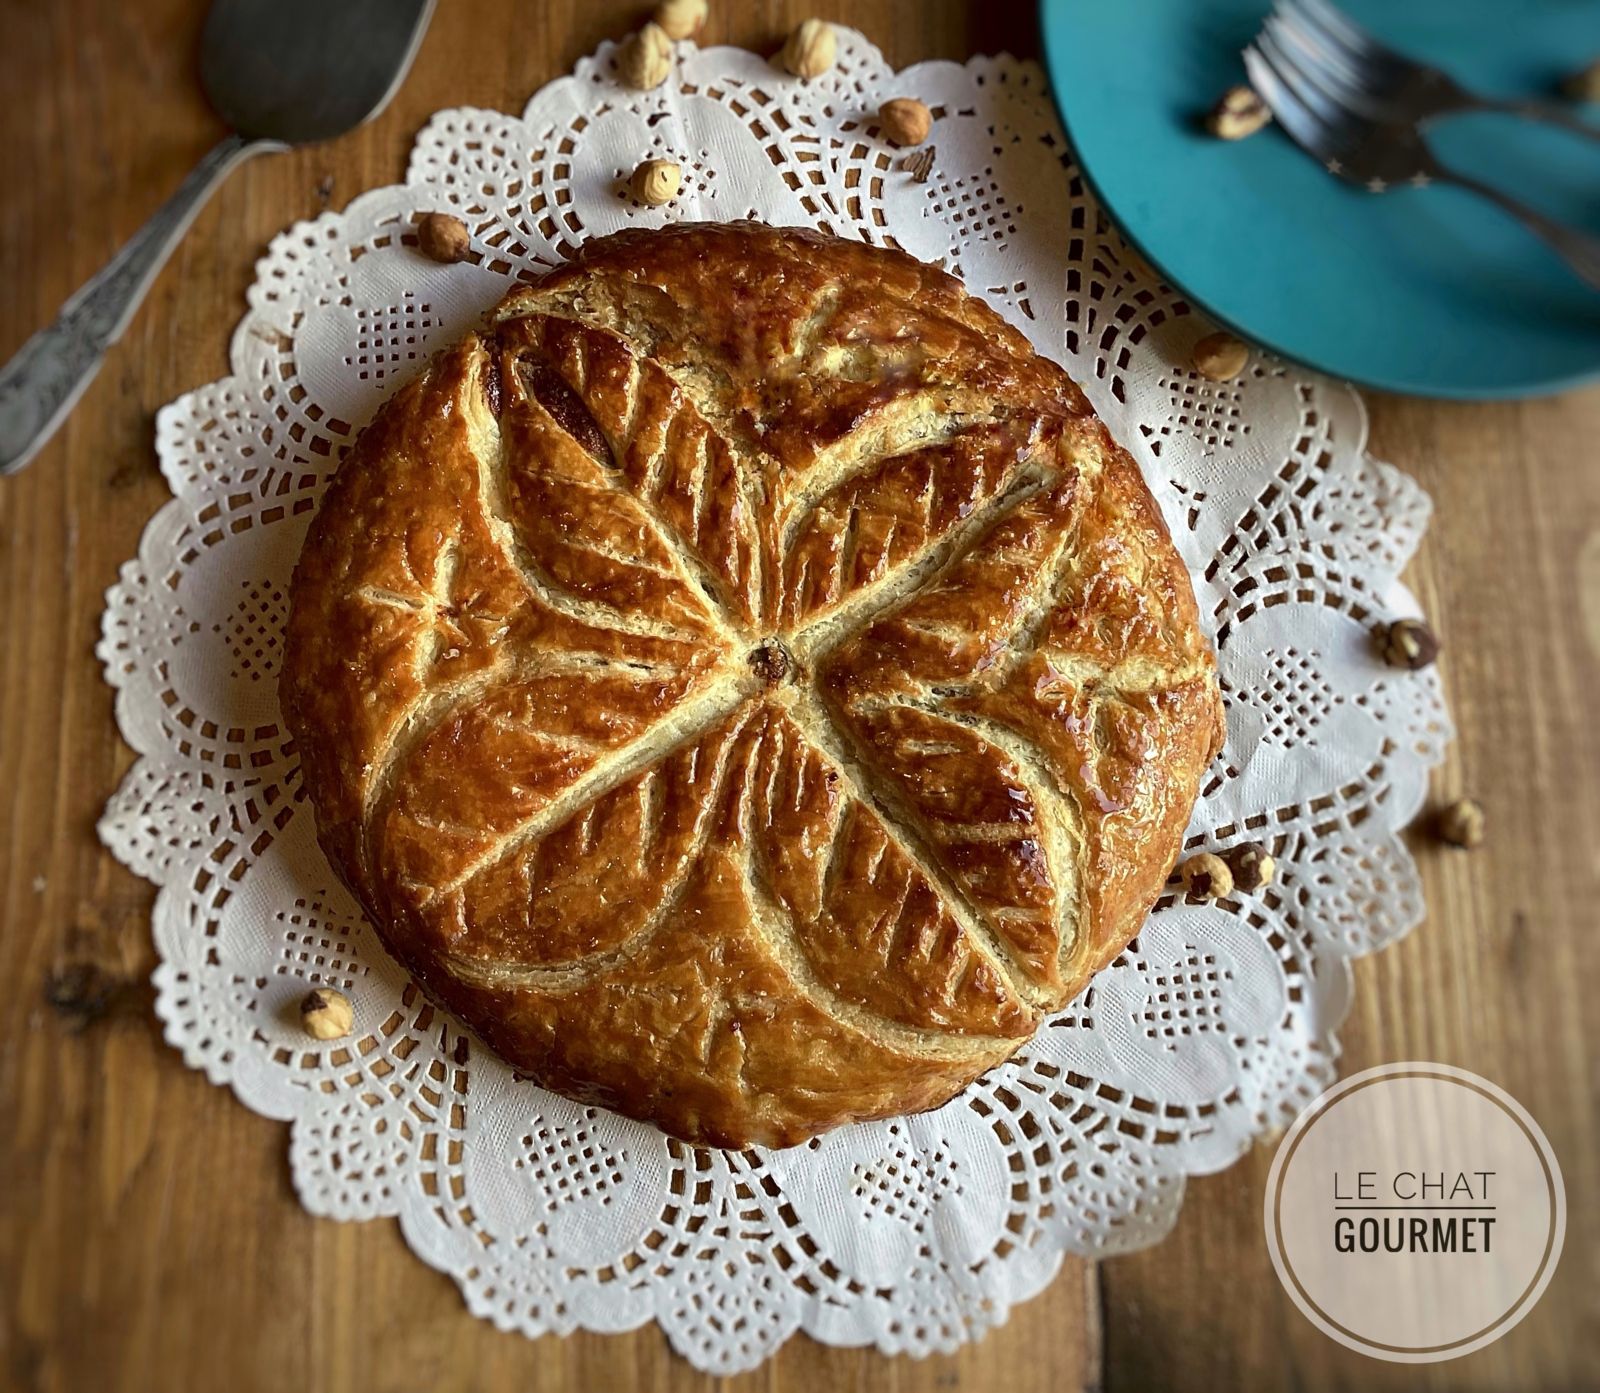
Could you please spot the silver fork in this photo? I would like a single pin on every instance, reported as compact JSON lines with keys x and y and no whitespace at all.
{"x":1383,"y":155}
{"x":1379,"y":82}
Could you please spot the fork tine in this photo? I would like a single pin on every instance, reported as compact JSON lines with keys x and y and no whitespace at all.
{"x":1294,"y":30}
{"x":1379,"y":66}
{"x":1327,"y":109}
{"x":1333,"y":25}
{"x":1302,"y":124}
{"x":1317,"y":86}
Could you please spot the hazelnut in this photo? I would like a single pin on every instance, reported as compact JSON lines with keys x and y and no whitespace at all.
{"x":1207,"y":875}
{"x":1239,"y":112}
{"x":443,"y":237}
{"x":1409,"y":643}
{"x":769,"y":662}
{"x":1583,"y":85}
{"x":645,"y":58}
{"x":810,"y":50}
{"x":905,"y":121}
{"x":681,"y":19}
{"x":326,"y":1014}
{"x":1252,"y":866}
{"x":1220,"y":357}
{"x":1462,"y":823}
{"x":656,"y":182}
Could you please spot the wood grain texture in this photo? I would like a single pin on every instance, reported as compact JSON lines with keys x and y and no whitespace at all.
{"x":125,"y":1264}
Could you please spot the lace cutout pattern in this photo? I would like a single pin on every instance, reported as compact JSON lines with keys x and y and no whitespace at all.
{"x":1216,"y":1024}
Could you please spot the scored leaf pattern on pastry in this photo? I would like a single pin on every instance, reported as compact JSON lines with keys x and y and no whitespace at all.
{"x":578,"y":1218}
{"x":815,"y":763}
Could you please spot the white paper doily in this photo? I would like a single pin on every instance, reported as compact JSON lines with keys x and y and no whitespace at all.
{"x":913,"y":1235}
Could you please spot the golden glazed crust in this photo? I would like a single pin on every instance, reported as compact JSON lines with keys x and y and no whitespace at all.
{"x":746,"y":684}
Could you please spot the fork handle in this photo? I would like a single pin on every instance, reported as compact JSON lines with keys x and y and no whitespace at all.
{"x":1551,"y":113}
{"x":1579,"y":250}
{"x":47,"y":375}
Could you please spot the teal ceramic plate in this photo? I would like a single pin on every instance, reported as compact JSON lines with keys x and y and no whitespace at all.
{"x":1429,"y":291}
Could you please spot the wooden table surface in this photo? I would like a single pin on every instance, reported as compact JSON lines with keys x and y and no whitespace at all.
{"x":149,"y":1237}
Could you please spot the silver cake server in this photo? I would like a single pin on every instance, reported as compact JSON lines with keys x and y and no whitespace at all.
{"x":280,"y":73}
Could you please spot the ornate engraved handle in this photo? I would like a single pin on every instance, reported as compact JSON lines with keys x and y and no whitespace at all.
{"x":41,"y":384}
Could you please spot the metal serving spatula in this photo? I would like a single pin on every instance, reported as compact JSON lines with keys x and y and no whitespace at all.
{"x":280,"y":73}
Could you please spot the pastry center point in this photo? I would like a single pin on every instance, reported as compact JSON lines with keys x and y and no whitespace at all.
{"x":772,"y":663}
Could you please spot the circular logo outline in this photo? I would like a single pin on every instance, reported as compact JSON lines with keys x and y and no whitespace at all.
{"x":1319,"y":1108}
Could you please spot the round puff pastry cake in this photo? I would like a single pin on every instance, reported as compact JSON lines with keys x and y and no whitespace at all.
{"x":746,"y":684}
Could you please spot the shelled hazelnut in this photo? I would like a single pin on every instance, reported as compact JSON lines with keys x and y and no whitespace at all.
{"x":1583,"y":85}
{"x":1462,"y":823}
{"x":1409,"y":643}
{"x":645,"y":58}
{"x":656,"y":182}
{"x":810,"y":50}
{"x":443,"y":237}
{"x":905,"y":121}
{"x":1220,"y":357}
{"x":1206,"y":874}
{"x":326,"y":1014}
{"x":681,"y":19}
{"x":1239,"y":112}
{"x":1252,"y":866}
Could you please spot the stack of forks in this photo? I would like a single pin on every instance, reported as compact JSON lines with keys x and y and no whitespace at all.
{"x":1359,"y":107}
